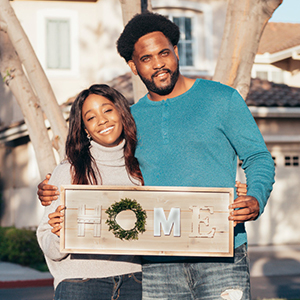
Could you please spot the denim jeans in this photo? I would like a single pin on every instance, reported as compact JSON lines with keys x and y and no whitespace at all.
{"x":204,"y":278}
{"x":121,"y":287}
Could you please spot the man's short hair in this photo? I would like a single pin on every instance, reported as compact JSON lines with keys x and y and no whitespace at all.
{"x":142,"y":24}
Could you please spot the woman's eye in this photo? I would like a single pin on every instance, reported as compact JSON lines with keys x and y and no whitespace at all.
{"x":108,"y":110}
{"x":90,"y":118}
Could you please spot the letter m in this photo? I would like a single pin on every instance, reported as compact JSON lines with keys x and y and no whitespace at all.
{"x":160,"y":219}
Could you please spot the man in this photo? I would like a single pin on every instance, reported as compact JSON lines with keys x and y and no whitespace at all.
{"x":189,"y":134}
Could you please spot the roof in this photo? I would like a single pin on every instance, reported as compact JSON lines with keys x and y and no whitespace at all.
{"x":278,"y":37}
{"x":270,"y":94}
{"x":261,"y":93}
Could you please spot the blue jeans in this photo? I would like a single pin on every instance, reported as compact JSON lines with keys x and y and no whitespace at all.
{"x":122,"y":287}
{"x":202,"y":278}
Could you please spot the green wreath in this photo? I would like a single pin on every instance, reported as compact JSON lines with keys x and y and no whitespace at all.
{"x":117,"y":230}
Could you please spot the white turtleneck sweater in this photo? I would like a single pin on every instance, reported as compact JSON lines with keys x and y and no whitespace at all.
{"x":111,"y":163}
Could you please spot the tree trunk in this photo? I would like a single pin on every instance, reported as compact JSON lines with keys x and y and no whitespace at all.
{"x":129,"y":9}
{"x":35,"y":74}
{"x":245,"y":22}
{"x":13,"y":75}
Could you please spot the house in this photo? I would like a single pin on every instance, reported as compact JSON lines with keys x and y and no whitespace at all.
{"x":274,"y":100}
{"x":87,"y":31}
{"x":75,"y":43}
{"x":278,"y":56}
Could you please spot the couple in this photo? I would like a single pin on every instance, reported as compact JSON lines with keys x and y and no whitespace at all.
{"x":189,"y":133}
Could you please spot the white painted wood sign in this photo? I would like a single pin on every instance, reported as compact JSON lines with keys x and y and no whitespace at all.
{"x":179,"y":221}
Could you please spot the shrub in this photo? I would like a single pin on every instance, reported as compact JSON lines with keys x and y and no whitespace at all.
{"x":20,"y":246}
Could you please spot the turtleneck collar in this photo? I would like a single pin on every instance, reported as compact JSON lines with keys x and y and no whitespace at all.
{"x":111,"y":156}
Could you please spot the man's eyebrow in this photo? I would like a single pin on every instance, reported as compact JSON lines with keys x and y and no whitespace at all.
{"x":163,"y":50}
{"x":144,"y":56}
{"x":149,"y":55}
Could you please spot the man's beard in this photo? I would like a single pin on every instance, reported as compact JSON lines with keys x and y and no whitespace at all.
{"x":162,"y":91}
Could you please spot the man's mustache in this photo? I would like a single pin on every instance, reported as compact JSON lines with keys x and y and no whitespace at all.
{"x":160,"y":70}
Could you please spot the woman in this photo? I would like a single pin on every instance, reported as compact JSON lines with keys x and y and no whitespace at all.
{"x":99,"y":150}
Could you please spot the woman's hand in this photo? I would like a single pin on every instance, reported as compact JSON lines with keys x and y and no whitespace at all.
{"x":55,"y":220}
{"x":241,"y":188}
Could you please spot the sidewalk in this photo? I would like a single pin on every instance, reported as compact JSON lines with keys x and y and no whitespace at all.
{"x":275,"y":271}
{"x":16,"y":276}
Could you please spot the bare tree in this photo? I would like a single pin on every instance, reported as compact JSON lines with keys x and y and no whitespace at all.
{"x":35,"y":74}
{"x":245,"y":22}
{"x":129,"y":9}
{"x":13,"y":75}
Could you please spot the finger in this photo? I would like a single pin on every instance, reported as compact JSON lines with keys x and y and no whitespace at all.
{"x":242,"y":219}
{"x":243,"y":201}
{"x":60,"y":209}
{"x":47,"y":192}
{"x":57,"y":213}
{"x":46,"y":203}
{"x":53,"y":222}
{"x":244,"y":204}
{"x":243,"y":211}
{"x":56,"y":230}
{"x":48,"y":198}
{"x":50,"y":187}
{"x":241,"y":193}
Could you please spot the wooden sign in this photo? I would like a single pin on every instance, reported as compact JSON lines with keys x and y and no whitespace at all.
{"x":173,"y":221}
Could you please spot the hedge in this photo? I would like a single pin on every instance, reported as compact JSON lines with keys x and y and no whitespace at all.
{"x":20,"y":246}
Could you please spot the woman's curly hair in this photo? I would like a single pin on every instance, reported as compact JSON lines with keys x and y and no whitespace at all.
{"x":142,"y":24}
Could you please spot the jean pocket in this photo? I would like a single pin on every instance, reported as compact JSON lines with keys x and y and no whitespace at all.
{"x":137,"y":277}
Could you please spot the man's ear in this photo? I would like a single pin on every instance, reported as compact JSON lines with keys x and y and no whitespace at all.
{"x":176,"y":51}
{"x":132,"y":66}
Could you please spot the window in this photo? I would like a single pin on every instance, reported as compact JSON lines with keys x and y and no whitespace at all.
{"x":185,"y":45}
{"x":262,"y":75}
{"x":58,"y":44}
{"x":273,"y":76}
{"x":195,"y":21}
{"x":291,"y":161}
{"x":277,"y":77}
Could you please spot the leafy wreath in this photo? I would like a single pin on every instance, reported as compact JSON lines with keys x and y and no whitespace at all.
{"x":118,"y":231}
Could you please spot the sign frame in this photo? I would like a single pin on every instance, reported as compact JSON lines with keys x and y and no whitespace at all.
{"x":107,"y":243}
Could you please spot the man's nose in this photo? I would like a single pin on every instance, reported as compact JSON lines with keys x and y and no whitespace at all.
{"x":158,"y":63}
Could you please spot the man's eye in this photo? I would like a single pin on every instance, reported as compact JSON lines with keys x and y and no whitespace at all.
{"x":145,"y":59}
{"x":165,"y":53}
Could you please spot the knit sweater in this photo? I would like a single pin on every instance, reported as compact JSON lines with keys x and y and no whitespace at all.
{"x":110,"y":162}
{"x":194,"y":140}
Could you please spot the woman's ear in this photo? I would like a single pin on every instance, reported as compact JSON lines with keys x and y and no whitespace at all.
{"x":86,"y":131}
{"x":132,"y":66}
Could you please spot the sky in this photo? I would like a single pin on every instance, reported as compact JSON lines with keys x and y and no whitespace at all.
{"x":288,"y":11}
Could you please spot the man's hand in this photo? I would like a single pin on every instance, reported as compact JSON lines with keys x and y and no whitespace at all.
{"x":46,"y":192}
{"x":55,"y":220}
{"x":248,"y":209}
